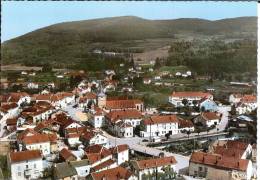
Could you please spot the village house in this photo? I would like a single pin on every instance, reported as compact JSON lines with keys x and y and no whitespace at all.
{"x":9,"y":110}
{"x":122,"y":122}
{"x":97,"y":117}
{"x":64,"y":171}
{"x":72,"y":135}
{"x":90,"y":138}
{"x":38,"y":112}
{"x":218,"y":167}
{"x":32,"y":85}
{"x":247,"y":104}
{"x":147,"y":80}
{"x":132,"y":117}
{"x":121,"y":104}
{"x":121,"y":153}
{"x":47,"y":127}
{"x":18,"y":98}
{"x":123,"y":129}
{"x":82,"y":167}
{"x":67,"y":155}
{"x":160,"y":125}
{"x":185,"y":126}
{"x":31,"y":140}
{"x":100,"y":158}
{"x":208,"y":105}
{"x":25,"y":164}
{"x":154,"y":166}
{"x":231,"y":148}
{"x":114,"y":173}
{"x":228,"y":159}
{"x":87,"y":100}
{"x":208,"y":118}
{"x":58,"y":100}
{"x":11,"y":124}
{"x":176,"y":98}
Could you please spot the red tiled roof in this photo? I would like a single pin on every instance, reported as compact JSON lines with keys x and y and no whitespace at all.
{"x":66,"y":154}
{"x":78,"y":130}
{"x":26,"y":133}
{"x":15,"y":97}
{"x":229,"y":152}
{"x":248,"y":99}
{"x":36,"y":110}
{"x":188,"y":94}
{"x":52,"y":97}
{"x":104,"y":164}
{"x":112,"y":174}
{"x":25,"y":155}
{"x":6,"y":107}
{"x":157,"y":162}
{"x":98,"y":111}
{"x":185,"y":123}
{"x":219,"y":161}
{"x":88,"y":135}
{"x":11,"y":121}
{"x":94,"y":149}
{"x":237,"y":145}
{"x":96,"y":152}
{"x":158,"y":119}
{"x":208,"y":116}
{"x":123,"y":124}
{"x":39,"y":138}
{"x":122,"y":104}
{"x":90,"y":95}
{"x":113,"y":116}
{"x":119,"y":148}
{"x":44,"y":124}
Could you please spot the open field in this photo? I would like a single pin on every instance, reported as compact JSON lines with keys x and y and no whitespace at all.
{"x":19,"y":67}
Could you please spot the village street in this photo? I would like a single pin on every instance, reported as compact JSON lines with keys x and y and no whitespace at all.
{"x":136,"y":144}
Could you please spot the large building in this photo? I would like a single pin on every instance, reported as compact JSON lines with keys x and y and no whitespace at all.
{"x":218,"y":167}
{"x":225,"y":160}
{"x":160,"y":125}
{"x":26,"y":164}
{"x":176,"y":98}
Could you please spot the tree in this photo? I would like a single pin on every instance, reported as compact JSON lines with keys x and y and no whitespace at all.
{"x":202,"y":109}
{"x":195,"y":103}
{"x":198,"y":131}
{"x":167,"y":135}
{"x":233,"y":110}
{"x":188,"y":133}
{"x":184,"y":102}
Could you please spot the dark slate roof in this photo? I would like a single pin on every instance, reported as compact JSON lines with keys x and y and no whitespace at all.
{"x":63,"y":170}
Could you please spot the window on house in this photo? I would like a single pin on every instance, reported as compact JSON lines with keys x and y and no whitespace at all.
{"x":27,"y":166}
{"x":34,"y":166}
{"x":195,"y":173}
{"x":200,"y":168}
{"x":19,"y":174}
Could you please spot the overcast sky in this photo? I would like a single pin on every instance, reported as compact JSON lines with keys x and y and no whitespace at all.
{"x":21,"y":17}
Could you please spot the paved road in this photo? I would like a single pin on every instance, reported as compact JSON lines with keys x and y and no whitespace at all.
{"x":135,"y":143}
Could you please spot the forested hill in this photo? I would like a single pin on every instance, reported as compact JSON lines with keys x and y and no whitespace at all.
{"x":69,"y":41}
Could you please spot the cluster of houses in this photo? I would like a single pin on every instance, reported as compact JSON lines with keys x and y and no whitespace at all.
{"x":47,"y":136}
{"x":224,"y":160}
{"x":244,"y":103}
